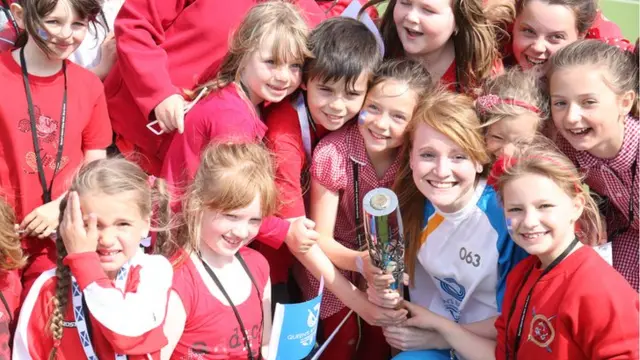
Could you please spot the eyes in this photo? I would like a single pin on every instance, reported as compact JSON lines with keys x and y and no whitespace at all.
{"x":554,"y":38}
{"x":328,"y":91}
{"x":586,"y":103}
{"x":517,"y":209}
{"x":235,"y":218}
{"x":296,"y":66}
{"x":428,"y":155}
{"x":398,"y":117}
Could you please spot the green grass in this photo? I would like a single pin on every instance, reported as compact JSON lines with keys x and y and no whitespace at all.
{"x":622,"y":12}
{"x":625,"y":14}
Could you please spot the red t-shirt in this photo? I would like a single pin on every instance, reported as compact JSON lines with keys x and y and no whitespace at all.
{"x":284,"y":139}
{"x":211,"y":330}
{"x":582,"y":309}
{"x":165,"y":46}
{"x":87,"y":128}
{"x":11,"y":288}
{"x":450,"y":79}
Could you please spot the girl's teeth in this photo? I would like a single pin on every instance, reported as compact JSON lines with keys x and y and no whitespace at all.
{"x":413,"y":33}
{"x":377,"y":136}
{"x":441,"y":185}
{"x":533,"y":236}
{"x":535,"y":61}
{"x":579,"y":132}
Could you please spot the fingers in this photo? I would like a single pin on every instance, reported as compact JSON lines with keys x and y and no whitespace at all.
{"x":179,"y":118}
{"x":110,"y":36}
{"x":27,"y":220}
{"x":76,"y":213}
{"x":308,"y":223}
{"x":92,"y":228}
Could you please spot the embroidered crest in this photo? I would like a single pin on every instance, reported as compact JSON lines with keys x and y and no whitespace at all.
{"x":541,"y":331}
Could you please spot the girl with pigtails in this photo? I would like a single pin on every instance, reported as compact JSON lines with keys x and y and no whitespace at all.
{"x":105,"y":299}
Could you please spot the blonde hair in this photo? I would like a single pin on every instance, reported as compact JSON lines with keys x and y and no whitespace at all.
{"x":453,"y":115}
{"x":514,"y":84}
{"x":475,"y":42}
{"x":110,"y":177}
{"x":279,"y":21}
{"x":10,"y":247}
{"x":229,"y":177}
{"x":621,"y":67}
{"x":543,"y":158}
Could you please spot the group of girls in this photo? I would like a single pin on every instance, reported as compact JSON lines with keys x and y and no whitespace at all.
{"x":490,"y":166}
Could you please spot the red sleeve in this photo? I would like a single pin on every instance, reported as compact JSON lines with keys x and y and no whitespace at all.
{"x":329,"y":165}
{"x":284,"y":140}
{"x":139,"y":29}
{"x":32,"y":339}
{"x":604,"y":315}
{"x":132,"y":320}
{"x":273,"y":231}
{"x":97,"y":135}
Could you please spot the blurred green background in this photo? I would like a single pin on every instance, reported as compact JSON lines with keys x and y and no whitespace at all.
{"x":625,"y":13}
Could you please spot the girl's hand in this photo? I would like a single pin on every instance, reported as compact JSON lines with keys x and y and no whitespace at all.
{"x":77,"y":238}
{"x":421,"y":317}
{"x":170,"y":113}
{"x":385,"y":298}
{"x":301,"y":235}
{"x":408,"y":338}
{"x":42,"y":221}
{"x":378,"y":316}
{"x":375,"y":277}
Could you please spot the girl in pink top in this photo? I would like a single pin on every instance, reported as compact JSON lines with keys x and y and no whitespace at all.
{"x":263,"y":65}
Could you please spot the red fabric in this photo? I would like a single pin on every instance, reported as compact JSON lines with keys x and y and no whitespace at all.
{"x":10,"y":287}
{"x":223,"y":115}
{"x":284,"y":139}
{"x":212,"y":330}
{"x":450,"y":80}
{"x":332,"y":167}
{"x":583,"y":309}
{"x":87,"y":128}
{"x":613,"y":178}
{"x":373,"y":345}
{"x":33,"y":340}
{"x":497,"y":169}
{"x":335,"y":10}
{"x":164,"y":46}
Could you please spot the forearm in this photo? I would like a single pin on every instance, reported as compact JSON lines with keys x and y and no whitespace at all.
{"x":319,"y":265}
{"x":341,"y":256}
{"x":101,"y":71}
{"x":466,"y":343}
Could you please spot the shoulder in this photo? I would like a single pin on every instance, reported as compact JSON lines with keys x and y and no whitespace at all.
{"x":158,"y":264}
{"x":257,"y":264}
{"x":336,"y":142}
{"x":608,"y":282}
{"x":83,"y":77}
{"x":42,"y":290}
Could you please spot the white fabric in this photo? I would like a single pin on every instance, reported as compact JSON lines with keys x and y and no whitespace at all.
{"x":88,"y":53}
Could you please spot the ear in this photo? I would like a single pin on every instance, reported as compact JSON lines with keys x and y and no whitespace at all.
{"x":18,"y":14}
{"x":626,"y":102}
{"x":479,"y":168}
{"x":578,"y":207}
{"x":147,"y":228}
{"x":303,"y":86}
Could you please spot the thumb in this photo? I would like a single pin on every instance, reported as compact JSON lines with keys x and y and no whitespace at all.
{"x":180,"y":119}
{"x":308,"y":223}
{"x":411,"y":307}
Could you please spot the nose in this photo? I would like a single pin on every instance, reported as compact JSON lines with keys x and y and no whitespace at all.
{"x":574,"y":114}
{"x":337,"y":104}
{"x":530,"y":220}
{"x":281,"y":73}
{"x":412,"y":16}
{"x":241,"y":230}
{"x":106,"y":238}
{"x":380,"y":122}
{"x":443,"y":168}
{"x":539,"y":45}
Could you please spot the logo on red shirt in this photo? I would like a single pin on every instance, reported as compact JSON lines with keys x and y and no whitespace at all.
{"x":541,"y":331}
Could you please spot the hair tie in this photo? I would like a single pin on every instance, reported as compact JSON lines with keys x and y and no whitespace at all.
{"x":486,"y":103}
{"x":151,"y":181}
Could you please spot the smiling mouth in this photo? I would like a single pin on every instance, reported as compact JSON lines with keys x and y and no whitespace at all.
{"x":378,"y":136}
{"x":533,"y":235}
{"x":108,"y":252}
{"x":534,"y":61}
{"x":442,"y":184}
{"x":232,"y":242}
{"x":579,"y":132}
{"x":413,"y":33}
